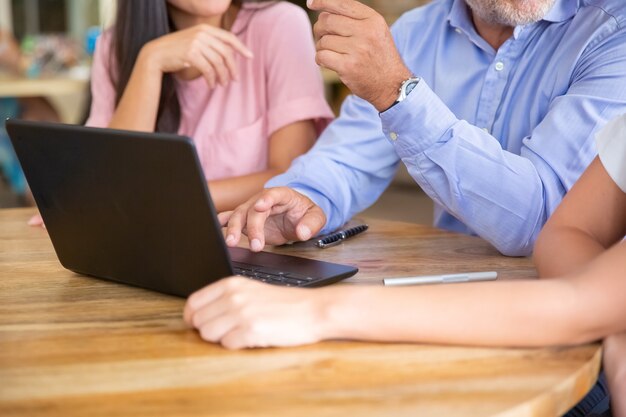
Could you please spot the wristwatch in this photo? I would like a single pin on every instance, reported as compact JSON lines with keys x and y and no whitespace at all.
{"x":406,"y":88}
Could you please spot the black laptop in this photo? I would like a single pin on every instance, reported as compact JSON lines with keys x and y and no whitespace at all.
{"x":135,"y":208}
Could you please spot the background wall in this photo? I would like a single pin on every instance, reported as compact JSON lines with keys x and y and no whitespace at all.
{"x":392,"y":9}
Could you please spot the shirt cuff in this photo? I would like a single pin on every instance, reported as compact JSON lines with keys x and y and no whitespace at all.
{"x":418,"y":122}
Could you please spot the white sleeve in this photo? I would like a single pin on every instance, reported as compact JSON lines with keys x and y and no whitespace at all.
{"x":611,"y":142}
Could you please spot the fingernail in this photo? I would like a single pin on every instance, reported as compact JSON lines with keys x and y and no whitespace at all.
{"x":230,"y":239}
{"x":309,"y":3}
{"x":260,"y":202}
{"x":256,"y":246}
{"x":304,"y":232}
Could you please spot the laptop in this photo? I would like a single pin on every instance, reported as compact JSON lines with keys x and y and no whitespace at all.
{"x":135,"y":208}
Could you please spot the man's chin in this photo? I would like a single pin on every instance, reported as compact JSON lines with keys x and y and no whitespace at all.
{"x":508,"y":13}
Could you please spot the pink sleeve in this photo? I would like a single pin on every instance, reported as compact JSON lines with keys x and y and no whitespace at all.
{"x":294,"y":85}
{"x":102,"y":89}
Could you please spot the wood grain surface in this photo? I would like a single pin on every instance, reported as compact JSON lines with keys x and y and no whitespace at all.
{"x":77,"y":346}
{"x":36,"y":87}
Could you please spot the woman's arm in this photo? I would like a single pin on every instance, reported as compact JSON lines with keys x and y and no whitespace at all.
{"x":590,"y":219}
{"x":568,"y":310}
{"x":239,"y":312}
{"x":138,"y":107}
{"x":615,"y":366}
{"x":286,"y":144}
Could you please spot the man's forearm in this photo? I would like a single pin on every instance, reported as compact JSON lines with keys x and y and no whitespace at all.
{"x":501,"y":196}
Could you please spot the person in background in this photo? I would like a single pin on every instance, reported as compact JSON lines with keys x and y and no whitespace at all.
{"x":27,"y":108}
{"x":238,"y":78}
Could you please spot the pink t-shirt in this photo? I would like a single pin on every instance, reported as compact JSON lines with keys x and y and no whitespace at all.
{"x":231,"y":125}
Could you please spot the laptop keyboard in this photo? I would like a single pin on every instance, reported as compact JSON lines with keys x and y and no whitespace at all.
{"x":271,"y":276}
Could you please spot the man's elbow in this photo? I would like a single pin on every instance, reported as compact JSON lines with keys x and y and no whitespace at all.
{"x":514,"y":249}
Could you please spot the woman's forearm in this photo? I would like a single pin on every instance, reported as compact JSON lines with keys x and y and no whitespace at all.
{"x":521,"y":313}
{"x":139,"y":105}
{"x":231,"y":192}
{"x":567,"y":310}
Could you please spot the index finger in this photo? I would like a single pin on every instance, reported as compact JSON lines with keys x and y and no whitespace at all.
{"x":348,"y":8}
{"x":232,"y":40}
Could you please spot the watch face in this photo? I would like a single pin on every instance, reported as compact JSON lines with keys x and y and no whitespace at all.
{"x":410,"y":87}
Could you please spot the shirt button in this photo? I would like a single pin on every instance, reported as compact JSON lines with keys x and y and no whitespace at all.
{"x":457,"y":30}
{"x":485,"y":129}
{"x":499,"y":66}
{"x":393,"y":136}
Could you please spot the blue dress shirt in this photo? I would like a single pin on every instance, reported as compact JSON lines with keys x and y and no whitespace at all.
{"x":495,"y":138}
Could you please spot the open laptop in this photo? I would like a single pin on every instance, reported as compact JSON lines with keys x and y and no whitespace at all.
{"x":135,"y":208}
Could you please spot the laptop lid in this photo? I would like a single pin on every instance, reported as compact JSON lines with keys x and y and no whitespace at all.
{"x":133,"y":207}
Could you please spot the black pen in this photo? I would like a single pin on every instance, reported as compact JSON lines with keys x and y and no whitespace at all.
{"x":339,"y":236}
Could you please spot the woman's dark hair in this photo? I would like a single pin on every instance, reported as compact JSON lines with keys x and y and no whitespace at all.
{"x":137,"y":23}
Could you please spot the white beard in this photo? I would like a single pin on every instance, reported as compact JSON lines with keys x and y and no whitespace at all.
{"x":510,"y":12}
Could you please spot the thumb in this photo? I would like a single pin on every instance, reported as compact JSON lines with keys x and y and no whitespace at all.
{"x":310,"y":224}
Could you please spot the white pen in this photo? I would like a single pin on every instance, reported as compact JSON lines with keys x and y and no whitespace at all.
{"x":442,"y":279}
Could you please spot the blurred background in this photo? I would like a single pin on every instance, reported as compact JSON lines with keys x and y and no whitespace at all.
{"x":45,"y":55}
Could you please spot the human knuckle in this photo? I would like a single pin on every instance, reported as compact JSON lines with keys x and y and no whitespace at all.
{"x":196,"y":320}
{"x":231,"y":284}
{"x":246,"y":313}
{"x":235,"y":217}
{"x":232,"y":344}
{"x":324,"y":42}
{"x":190,"y":55}
{"x":237,"y":300}
{"x":378,"y":20}
{"x":206,"y":333}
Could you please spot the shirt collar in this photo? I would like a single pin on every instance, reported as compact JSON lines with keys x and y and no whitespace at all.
{"x":562,"y":10}
{"x":459,"y":16}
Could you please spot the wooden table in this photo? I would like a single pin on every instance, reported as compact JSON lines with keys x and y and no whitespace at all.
{"x":77,"y":346}
{"x":36,"y":87}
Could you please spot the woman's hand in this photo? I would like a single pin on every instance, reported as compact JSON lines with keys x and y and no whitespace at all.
{"x":202,"y":50}
{"x":240,"y":313}
{"x":36,"y":221}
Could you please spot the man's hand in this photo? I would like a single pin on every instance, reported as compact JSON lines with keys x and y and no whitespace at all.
{"x":354,"y":41}
{"x":274,"y":216}
{"x":241,"y":313}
